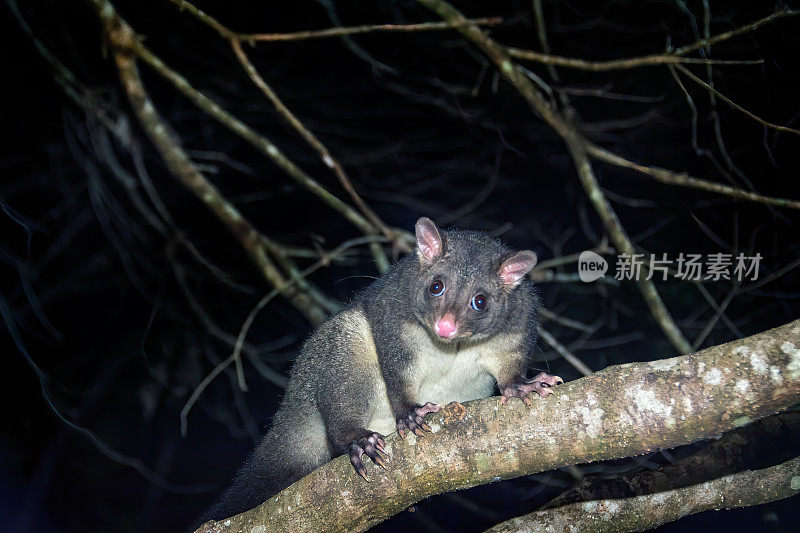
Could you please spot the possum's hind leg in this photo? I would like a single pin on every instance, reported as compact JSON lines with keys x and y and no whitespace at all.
{"x":350,"y":389}
{"x":346,"y":421}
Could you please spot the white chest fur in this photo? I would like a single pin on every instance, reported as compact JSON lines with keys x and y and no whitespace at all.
{"x":443,"y":373}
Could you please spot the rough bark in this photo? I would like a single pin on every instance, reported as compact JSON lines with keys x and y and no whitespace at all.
{"x":763,"y":444}
{"x":622,"y":411}
{"x":727,"y":472}
{"x":743,"y":489}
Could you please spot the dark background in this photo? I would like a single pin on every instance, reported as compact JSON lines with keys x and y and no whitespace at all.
{"x":100,"y":304}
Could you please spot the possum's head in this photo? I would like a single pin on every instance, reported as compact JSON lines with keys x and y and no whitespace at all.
{"x":468,"y":283}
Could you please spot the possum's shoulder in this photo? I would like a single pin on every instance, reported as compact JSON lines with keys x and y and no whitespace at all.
{"x":353,"y":319}
{"x":386,"y":288}
{"x":348,"y":321}
{"x":346,"y":331}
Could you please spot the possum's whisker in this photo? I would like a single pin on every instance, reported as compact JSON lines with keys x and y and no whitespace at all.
{"x":351,"y":277}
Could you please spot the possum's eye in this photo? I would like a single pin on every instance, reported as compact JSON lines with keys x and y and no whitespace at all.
{"x":478,"y":302}
{"x":436,"y":288}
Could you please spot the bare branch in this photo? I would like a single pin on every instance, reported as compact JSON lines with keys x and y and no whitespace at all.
{"x":742,"y":489}
{"x":168,"y":144}
{"x":725,"y":473}
{"x":674,"y":58}
{"x":685,"y":180}
{"x":353,"y":30}
{"x":741,"y":449}
{"x":620,"y":64}
{"x":227,"y":33}
{"x":325,"y":154}
{"x":568,"y":356}
{"x":133,"y":46}
{"x":689,"y":74}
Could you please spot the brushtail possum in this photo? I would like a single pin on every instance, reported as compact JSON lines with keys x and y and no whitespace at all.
{"x":444,"y":324}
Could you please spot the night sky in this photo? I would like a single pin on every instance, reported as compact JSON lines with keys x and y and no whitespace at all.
{"x":121,"y":291}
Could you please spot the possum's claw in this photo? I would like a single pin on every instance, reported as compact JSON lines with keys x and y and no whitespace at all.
{"x":371,"y":445}
{"x":414,"y":421}
{"x":542,"y":385}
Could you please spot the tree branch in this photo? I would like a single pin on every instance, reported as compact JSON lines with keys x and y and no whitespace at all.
{"x":743,"y":489}
{"x":689,"y":74}
{"x":325,"y":154}
{"x":714,"y":475}
{"x":683,"y":179}
{"x":169,"y":146}
{"x":115,"y":25}
{"x":252,"y":38}
{"x":673,"y":58}
{"x":621,"y":411}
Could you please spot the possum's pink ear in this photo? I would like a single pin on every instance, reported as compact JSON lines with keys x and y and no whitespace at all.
{"x":429,"y":242}
{"x":515,"y":267}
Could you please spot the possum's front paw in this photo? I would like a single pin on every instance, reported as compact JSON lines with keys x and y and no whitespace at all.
{"x":542,"y":385}
{"x":414,"y":421}
{"x":371,"y":445}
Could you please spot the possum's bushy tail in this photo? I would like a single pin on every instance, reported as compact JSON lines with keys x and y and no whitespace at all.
{"x":294,"y":446}
{"x":256,"y":480}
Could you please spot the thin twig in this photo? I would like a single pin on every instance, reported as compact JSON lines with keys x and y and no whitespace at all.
{"x":685,"y":180}
{"x":227,"y":33}
{"x":715,"y":306}
{"x":564,"y":321}
{"x":741,"y":30}
{"x":199,"y":390}
{"x":602,"y":249}
{"x":541,"y":32}
{"x":278,"y":253}
{"x":367,"y":28}
{"x":215,"y":331}
{"x":325,"y":154}
{"x":673,"y":58}
{"x":720,"y":310}
{"x":324,"y":261}
{"x":239,"y":344}
{"x":621,"y":64}
{"x":568,"y":356}
{"x":689,"y":74}
{"x":623,"y":243}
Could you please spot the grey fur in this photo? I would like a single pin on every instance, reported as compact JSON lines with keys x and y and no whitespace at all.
{"x":379,"y":357}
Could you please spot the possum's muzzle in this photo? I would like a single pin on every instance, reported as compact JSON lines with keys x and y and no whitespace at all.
{"x":446,"y":327}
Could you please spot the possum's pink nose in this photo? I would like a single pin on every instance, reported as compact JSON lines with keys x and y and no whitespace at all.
{"x":446,"y":326}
